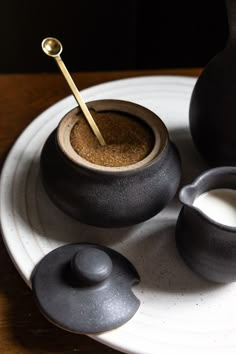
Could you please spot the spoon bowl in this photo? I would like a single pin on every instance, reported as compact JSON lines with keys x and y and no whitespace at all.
{"x":52,"y":47}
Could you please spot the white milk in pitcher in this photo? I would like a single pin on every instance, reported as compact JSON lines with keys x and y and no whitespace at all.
{"x":219,"y":205}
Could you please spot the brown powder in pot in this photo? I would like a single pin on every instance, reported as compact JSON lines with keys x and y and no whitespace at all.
{"x":128,"y":139}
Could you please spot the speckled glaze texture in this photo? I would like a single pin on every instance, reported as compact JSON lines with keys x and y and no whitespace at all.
{"x":109,"y":199}
{"x":208,"y":247}
{"x":85,"y":288}
{"x":213,"y":104}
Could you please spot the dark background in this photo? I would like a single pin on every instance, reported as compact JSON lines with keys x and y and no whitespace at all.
{"x":111,"y":34}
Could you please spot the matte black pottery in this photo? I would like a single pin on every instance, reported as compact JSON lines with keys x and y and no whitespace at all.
{"x":208,"y":247}
{"x":110,"y":197}
{"x":213,"y":103}
{"x":85,"y":288}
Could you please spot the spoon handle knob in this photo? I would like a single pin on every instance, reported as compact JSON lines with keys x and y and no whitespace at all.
{"x":80,"y":100}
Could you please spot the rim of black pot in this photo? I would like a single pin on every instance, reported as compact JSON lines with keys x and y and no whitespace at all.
{"x":194,"y":185}
{"x":164,"y":137}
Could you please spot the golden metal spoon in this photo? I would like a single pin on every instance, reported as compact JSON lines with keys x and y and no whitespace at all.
{"x":53,"y":48}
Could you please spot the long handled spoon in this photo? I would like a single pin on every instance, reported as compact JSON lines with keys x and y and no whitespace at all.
{"x":53,"y":48}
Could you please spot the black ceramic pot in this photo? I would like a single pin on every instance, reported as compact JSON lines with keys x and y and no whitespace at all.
{"x":208,"y":247}
{"x":110,"y":197}
{"x":213,"y":103}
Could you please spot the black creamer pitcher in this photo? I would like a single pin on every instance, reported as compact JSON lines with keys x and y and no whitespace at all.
{"x":213,"y":103}
{"x":207,"y":246}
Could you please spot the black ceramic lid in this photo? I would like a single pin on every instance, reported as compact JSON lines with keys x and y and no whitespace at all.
{"x":85,"y":288}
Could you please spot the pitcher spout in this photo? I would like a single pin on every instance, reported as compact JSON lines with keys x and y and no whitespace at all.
{"x":188,"y":194}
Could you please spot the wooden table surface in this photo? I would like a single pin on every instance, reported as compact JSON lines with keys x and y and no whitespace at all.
{"x":22,"y":328}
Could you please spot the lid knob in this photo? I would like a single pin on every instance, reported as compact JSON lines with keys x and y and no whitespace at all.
{"x":91,"y":266}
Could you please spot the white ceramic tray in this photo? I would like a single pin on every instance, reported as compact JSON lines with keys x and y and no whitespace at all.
{"x":179,"y":312}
